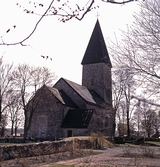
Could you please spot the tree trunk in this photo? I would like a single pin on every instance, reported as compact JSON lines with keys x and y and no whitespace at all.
{"x":2,"y":131}
{"x":15,"y":131}
{"x":128,"y":127}
{"x":127,"y":109}
{"x":149,"y":134}
{"x":0,"y":108}
{"x":12,"y":128}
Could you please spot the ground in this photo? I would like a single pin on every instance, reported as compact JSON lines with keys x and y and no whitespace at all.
{"x":118,"y":156}
{"x":126,"y":156}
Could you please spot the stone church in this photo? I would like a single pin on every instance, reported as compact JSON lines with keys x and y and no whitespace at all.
{"x":70,"y":109}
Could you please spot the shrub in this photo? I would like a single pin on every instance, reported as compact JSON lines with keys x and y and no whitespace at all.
{"x":97,"y":140}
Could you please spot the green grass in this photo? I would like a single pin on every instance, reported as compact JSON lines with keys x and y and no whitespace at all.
{"x":7,"y":144}
{"x":153,"y":143}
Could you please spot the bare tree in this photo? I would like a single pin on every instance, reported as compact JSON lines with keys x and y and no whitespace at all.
{"x":123,"y":86}
{"x":41,"y":76}
{"x":117,"y":88}
{"x":136,"y":120}
{"x":27,"y":79}
{"x":64,"y":9}
{"x":5,"y":86}
{"x":140,"y":46}
{"x":156,"y":123}
{"x":117,"y":95}
{"x":129,"y":87}
{"x":147,"y":122}
{"x":14,"y":111}
{"x":3,"y":124}
{"x":147,"y":118}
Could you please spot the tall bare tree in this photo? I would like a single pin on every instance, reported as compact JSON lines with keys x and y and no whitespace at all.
{"x":14,"y":111}
{"x":123,"y":86}
{"x":140,"y":46}
{"x":117,"y":95}
{"x":139,"y":51}
{"x":5,"y":86}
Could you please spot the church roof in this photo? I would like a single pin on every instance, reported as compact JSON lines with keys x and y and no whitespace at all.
{"x":78,"y":118}
{"x":82,"y":91}
{"x":96,"y":51}
{"x":62,"y":97}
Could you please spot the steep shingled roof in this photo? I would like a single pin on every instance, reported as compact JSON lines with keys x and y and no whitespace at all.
{"x":81,"y":90}
{"x":62,"y":97}
{"x":96,"y":51}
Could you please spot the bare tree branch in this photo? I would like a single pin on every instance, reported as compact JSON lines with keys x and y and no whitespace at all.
{"x":64,"y":17}
{"x":87,"y":10}
{"x":115,"y":2}
{"x":34,"y":29}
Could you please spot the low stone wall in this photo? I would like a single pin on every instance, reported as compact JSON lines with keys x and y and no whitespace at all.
{"x":35,"y":149}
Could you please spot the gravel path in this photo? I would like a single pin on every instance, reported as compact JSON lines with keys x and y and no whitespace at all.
{"x":118,"y":157}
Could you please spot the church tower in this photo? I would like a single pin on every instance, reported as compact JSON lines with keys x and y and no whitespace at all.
{"x":96,"y":74}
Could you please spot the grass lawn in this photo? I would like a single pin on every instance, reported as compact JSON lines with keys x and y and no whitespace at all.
{"x":7,"y":144}
{"x":153,"y":143}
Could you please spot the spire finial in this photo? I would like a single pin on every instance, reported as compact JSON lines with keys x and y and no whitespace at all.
{"x":97,"y":15}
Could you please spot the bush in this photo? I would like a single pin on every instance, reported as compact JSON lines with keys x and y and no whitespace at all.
{"x":97,"y":140}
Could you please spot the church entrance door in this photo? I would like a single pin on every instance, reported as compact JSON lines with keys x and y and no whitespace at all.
{"x":69,"y":133}
{"x":43,"y":126}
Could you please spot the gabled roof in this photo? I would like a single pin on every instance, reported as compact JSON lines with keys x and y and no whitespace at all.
{"x":96,"y":51}
{"x":78,"y":118}
{"x":81,"y":90}
{"x":68,"y":101}
{"x":62,"y":97}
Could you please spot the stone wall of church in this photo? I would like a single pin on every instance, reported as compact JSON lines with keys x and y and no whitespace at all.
{"x":47,"y":118}
{"x":101,"y":120}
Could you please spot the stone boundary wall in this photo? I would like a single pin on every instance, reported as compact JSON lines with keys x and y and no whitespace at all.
{"x":34,"y":149}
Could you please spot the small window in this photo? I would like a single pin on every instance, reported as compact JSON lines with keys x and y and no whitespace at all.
{"x":69,"y":133}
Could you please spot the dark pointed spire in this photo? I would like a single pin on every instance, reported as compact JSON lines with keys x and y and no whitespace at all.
{"x":96,"y":51}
